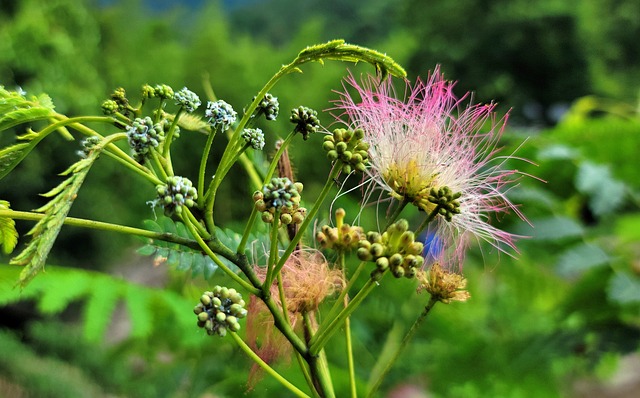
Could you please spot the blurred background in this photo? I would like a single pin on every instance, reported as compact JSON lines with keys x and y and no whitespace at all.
{"x":560,"y":320}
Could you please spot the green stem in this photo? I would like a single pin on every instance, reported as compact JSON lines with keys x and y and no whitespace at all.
{"x":405,"y":342}
{"x":317,"y":363}
{"x":309,"y":217}
{"x":427,"y":220}
{"x":338,"y":303}
{"x":347,"y":333}
{"x":244,"y":347}
{"x":276,"y":158}
{"x":403,"y":203}
{"x":273,"y":251}
{"x":247,"y":230}
{"x":305,"y":372}
{"x":214,"y":257}
{"x":203,"y":165}
{"x":104,"y":226}
{"x":326,"y":331}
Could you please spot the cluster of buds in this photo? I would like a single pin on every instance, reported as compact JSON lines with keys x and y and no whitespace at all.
{"x":342,"y":237}
{"x":220,"y":114}
{"x":395,"y":249}
{"x":117,"y":103}
{"x":306,"y":121}
{"x":219,"y":311}
{"x":178,"y":192}
{"x":446,"y":202}
{"x":254,"y":137}
{"x":163,"y":91}
{"x":187,"y":99}
{"x":348,"y":148}
{"x":269,"y":106}
{"x":143,"y":136}
{"x":280,"y":196}
{"x":443,"y":285}
{"x":88,"y":144}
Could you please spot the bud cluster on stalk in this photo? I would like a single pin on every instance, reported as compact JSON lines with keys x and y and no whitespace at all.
{"x":268,"y":106}
{"x":342,"y":237}
{"x":143,"y":136}
{"x":395,"y":249}
{"x":219,"y":311}
{"x":177,"y":192}
{"x":446,"y":201}
{"x":306,"y":121}
{"x":347,"y":148}
{"x":281,"y":196}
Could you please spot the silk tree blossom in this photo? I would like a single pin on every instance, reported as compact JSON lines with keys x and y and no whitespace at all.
{"x":437,"y":154}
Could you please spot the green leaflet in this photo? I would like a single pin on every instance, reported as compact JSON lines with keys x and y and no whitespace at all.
{"x":8,"y":232}
{"x":45,"y":232}
{"x":55,"y":290}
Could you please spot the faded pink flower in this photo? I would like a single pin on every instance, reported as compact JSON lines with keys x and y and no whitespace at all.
{"x":429,"y":143}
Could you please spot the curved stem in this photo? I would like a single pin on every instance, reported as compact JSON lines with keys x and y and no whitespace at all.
{"x":273,"y":252}
{"x":427,"y":220}
{"x":214,"y":257}
{"x":104,"y":226}
{"x":203,"y":165}
{"x":405,"y":341}
{"x":309,"y":217}
{"x":247,"y":230}
{"x":247,"y":350}
{"x":396,"y":213}
{"x":325,"y":332}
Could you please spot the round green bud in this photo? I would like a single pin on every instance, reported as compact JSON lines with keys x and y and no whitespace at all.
{"x":398,"y":271}
{"x":221,"y":317}
{"x":396,"y":260}
{"x":205,"y":299}
{"x":376,"y":250}
{"x":198,"y":309}
{"x":382,"y":263}
{"x":328,"y":146}
{"x":216,"y":302}
{"x":332,"y":155}
{"x":203,"y":316}
{"x":364,"y":254}
{"x":267,"y":217}
{"x":235,"y":327}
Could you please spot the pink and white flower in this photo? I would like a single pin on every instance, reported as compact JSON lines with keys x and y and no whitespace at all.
{"x":428,"y":141}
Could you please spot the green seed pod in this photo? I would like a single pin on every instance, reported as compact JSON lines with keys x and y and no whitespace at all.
{"x":382,"y":263}
{"x":221,"y":317}
{"x":398,"y":272}
{"x":364,"y":254}
{"x":377,"y":250}
{"x":396,"y":260}
{"x":205,"y":299}
{"x":267,"y":217}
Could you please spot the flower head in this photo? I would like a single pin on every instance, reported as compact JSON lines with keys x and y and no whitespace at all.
{"x":431,"y":151}
{"x":188,"y":99}
{"x":220,"y":114}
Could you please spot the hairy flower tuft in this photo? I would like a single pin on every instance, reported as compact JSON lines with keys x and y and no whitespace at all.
{"x":443,"y":285}
{"x":430,"y":150}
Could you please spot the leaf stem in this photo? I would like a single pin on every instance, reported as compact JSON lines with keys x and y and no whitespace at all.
{"x":405,"y":342}
{"x":247,"y":350}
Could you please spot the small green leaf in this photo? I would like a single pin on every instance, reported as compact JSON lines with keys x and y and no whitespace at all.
{"x":186,"y":261}
{"x":105,"y":293}
{"x":209,"y":267}
{"x":8,"y":232}
{"x":624,"y":288}
{"x":23,"y":115}
{"x":174,"y":258}
{"x":551,"y":229}
{"x":606,"y":193}
{"x":139,"y":302}
{"x":580,"y":258}
{"x":197,"y":266}
{"x":146,"y":250}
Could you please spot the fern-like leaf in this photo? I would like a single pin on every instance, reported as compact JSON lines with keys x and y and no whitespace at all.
{"x":8,"y":232}
{"x":45,"y":232}
{"x":57,"y":289}
{"x":180,"y":257}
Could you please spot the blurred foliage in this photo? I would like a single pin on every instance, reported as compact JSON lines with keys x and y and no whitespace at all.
{"x":565,"y":309}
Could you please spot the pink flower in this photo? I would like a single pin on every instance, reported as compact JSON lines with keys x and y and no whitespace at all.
{"x":431,"y":151}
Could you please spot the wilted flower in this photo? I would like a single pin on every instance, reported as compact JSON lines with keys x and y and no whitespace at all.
{"x":431,"y":151}
{"x":443,"y":285}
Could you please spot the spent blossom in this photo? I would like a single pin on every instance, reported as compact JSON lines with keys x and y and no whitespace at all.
{"x":431,"y":151}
